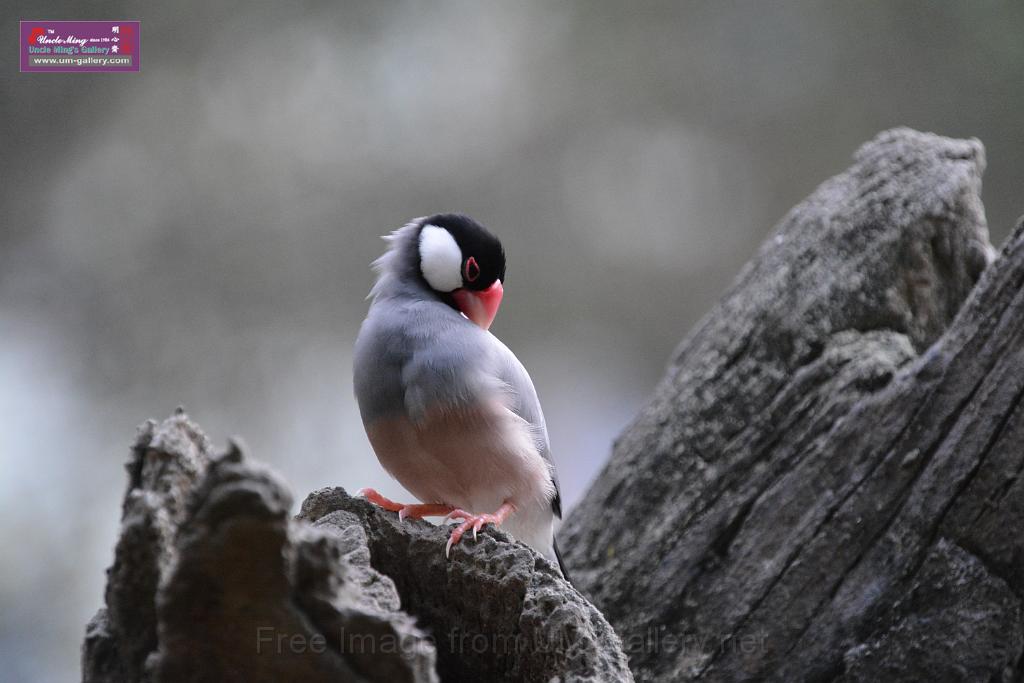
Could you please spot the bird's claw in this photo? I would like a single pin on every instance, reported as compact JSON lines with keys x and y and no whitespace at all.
{"x":474,"y":522}
{"x":456,"y":513}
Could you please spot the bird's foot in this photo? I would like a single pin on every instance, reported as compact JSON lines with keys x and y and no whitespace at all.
{"x":474,"y":522}
{"x":414,"y":511}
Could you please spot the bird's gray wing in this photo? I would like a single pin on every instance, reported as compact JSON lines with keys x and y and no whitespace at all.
{"x":525,"y":404}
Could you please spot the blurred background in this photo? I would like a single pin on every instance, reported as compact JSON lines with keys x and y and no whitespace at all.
{"x":200,"y":233}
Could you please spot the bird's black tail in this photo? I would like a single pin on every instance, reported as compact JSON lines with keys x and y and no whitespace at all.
{"x":561,"y":564}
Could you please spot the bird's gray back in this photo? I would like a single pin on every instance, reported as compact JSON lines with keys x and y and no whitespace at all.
{"x":415,"y":354}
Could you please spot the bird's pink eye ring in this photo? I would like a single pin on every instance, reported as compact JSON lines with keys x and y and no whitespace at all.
{"x":472,"y":270}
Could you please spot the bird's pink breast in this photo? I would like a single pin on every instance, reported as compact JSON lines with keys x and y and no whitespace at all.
{"x":471,"y":458}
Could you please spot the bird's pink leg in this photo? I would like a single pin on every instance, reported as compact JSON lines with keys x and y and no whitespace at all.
{"x":416,"y":511}
{"x":377,"y":499}
{"x":475,"y":522}
{"x":424,"y":510}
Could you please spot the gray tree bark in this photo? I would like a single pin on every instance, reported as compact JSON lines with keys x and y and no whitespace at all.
{"x":825,"y":486}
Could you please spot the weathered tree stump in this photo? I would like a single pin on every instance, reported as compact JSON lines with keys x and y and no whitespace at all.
{"x":213,"y":582}
{"x":826,"y":483}
{"x":825,"y":486}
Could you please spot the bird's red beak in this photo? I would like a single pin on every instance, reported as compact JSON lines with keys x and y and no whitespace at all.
{"x":480,"y":307}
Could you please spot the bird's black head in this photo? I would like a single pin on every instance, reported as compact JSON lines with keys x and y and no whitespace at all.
{"x":480,"y":254}
{"x":458,"y":257}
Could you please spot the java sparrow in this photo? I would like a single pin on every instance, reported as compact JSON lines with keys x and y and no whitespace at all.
{"x":449,"y":410}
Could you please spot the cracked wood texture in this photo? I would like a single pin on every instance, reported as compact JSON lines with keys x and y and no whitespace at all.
{"x":826,"y":484}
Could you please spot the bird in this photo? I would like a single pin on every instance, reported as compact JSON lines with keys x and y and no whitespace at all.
{"x":449,"y":410}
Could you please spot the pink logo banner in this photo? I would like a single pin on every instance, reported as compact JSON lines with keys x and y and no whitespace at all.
{"x":79,"y":46}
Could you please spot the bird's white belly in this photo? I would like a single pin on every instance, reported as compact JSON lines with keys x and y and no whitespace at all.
{"x":475,"y":459}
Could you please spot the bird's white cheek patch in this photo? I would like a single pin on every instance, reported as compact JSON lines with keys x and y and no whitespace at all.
{"x":440,"y":259}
